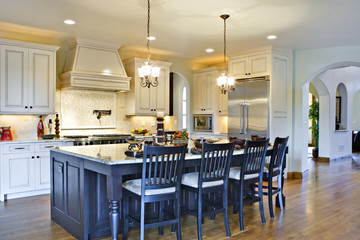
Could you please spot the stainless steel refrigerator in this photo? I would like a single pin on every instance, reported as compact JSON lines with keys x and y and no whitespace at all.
{"x":249,"y":108}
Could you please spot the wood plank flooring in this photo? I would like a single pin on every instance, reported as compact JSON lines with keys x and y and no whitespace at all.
{"x":326,"y":205}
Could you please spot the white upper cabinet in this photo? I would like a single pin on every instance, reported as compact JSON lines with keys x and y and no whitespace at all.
{"x":204,"y":91}
{"x":143,"y":100}
{"x":248,"y":66}
{"x":207,"y":97}
{"x":27,"y":77}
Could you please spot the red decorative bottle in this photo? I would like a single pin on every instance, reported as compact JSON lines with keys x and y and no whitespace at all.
{"x":40,"y":127}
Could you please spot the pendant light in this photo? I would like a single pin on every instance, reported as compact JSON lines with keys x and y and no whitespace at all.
{"x":148,"y":74}
{"x":225,"y":82}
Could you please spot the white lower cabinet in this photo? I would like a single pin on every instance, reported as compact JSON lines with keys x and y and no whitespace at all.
{"x":19,"y":172}
{"x":25,"y":168}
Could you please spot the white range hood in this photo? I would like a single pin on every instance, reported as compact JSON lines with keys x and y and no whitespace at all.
{"x":94,"y":65}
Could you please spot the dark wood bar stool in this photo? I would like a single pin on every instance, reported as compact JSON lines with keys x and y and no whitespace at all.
{"x":248,"y":174}
{"x":211,"y":179}
{"x":275,"y":169}
{"x":160,"y":182}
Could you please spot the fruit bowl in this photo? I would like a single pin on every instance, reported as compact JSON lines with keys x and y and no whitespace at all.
{"x":139,"y":131}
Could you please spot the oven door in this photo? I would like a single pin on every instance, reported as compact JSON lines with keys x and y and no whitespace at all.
{"x":203,"y":123}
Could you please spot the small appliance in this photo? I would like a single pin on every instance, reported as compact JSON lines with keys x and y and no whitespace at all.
{"x":6,"y":133}
{"x":203,"y":123}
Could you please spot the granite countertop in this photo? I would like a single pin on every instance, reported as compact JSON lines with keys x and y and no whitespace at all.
{"x":111,"y":154}
{"x":20,"y":140}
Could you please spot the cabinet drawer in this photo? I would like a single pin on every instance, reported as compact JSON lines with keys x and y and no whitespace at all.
{"x":46,"y":146}
{"x":18,"y":148}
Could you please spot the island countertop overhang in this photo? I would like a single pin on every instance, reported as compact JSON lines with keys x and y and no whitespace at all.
{"x":111,"y":154}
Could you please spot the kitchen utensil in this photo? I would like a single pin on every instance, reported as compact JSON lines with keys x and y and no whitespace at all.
{"x":6,"y":133}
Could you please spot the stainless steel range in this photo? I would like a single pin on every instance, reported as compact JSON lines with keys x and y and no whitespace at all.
{"x":98,"y":139}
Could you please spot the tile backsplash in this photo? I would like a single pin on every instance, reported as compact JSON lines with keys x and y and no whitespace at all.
{"x":75,"y":108}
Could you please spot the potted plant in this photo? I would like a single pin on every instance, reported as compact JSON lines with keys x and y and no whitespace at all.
{"x":314,"y":117}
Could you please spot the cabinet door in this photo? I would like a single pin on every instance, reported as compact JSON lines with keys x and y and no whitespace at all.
{"x":42,"y":171}
{"x":154,"y":99}
{"x":19,"y":173}
{"x":259,"y":65}
{"x":238,"y":67}
{"x":199,"y":93}
{"x":209,"y":86}
{"x":223,"y":104}
{"x":14,"y":79}
{"x":42,"y":163}
{"x":161,"y":98}
{"x":204,"y":84}
{"x":41,"y":81}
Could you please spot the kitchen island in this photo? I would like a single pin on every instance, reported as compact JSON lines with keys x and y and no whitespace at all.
{"x":86,"y":186}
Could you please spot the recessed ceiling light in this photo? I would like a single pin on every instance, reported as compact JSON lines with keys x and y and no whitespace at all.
{"x":271,"y":37}
{"x":69,"y":22}
{"x":209,"y":50}
{"x":151,"y":38}
{"x":107,"y":72}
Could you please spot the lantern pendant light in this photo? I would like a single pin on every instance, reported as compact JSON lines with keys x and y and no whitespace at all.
{"x":148,"y":74}
{"x":225,"y":82}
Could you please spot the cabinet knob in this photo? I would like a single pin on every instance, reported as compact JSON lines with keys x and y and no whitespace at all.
{"x":219,"y":111}
{"x":30,"y":107}
{"x":32,"y":157}
{"x":26,"y":107}
{"x":37,"y":156}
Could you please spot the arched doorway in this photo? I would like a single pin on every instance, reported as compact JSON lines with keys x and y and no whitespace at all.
{"x":333,"y":143}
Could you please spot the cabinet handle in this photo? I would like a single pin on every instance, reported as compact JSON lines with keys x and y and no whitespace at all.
{"x":19,"y":148}
{"x":49,"y":146}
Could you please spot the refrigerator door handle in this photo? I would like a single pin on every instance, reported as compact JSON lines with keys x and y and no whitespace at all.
{"x":244,"y":120}
{"x":246,"y":110}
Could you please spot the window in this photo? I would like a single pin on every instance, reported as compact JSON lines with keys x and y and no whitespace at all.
{"x":184,"y":108}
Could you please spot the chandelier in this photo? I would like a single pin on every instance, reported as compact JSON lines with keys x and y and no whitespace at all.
{"x":225,"y":82}
{"x":148,"y":74}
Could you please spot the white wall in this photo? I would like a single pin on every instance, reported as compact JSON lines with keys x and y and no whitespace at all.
{"x":307,"y":65}
{"x":337,"y":143}
{"x":356,"y":112}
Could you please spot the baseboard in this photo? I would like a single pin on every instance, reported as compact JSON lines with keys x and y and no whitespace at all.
{"x":322,"y":159}
{"x":298,"y":175}
{"x":328,"y":159}
{"x":8,"y":196}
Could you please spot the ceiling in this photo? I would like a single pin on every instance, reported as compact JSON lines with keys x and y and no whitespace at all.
{"x":185,"y":28}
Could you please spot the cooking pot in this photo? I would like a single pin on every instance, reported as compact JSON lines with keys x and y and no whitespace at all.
{"x":6,"y":133}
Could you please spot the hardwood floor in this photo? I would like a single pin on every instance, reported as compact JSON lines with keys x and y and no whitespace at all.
{"x":326,"y":205}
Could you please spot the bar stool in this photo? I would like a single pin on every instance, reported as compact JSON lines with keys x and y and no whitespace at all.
{"x":213,"y":179}
{"x":160,"y":182}
{"x":248,"y":174}
{"x":275,"y":169}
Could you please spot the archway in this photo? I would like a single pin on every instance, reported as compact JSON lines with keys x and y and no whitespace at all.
{"x":329,"y":126}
